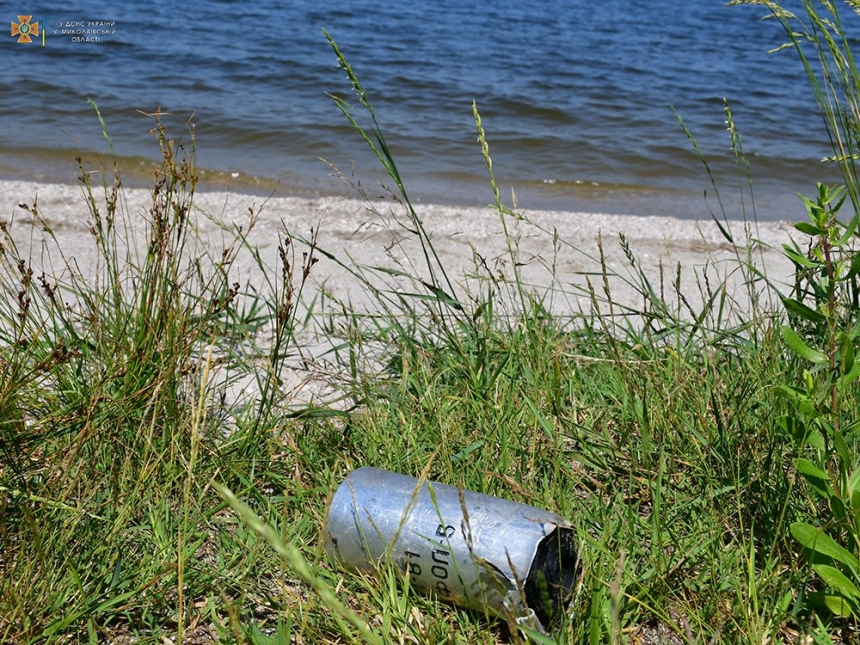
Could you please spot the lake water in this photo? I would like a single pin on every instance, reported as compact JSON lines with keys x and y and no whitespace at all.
{"x":576,"y":96}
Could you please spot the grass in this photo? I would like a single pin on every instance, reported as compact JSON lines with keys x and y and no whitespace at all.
{"x":128,"y":514}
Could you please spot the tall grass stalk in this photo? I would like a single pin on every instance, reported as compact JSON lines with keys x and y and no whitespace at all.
{"x":822,"y":42}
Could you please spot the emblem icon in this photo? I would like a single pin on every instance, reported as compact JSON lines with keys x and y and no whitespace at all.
{"x":24,"y":29}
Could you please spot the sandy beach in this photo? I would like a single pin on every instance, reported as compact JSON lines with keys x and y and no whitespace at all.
{"x":555,"y":250}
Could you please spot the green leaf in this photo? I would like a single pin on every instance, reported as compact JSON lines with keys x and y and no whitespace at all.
{"x":810,"y":229}
{"x":848,"y":234}
{"x":793,"y":426}
{"x":468,"y":450}
{"x":443,"y":297}
{"x":854,"y":481}
{"x":395,"y":272}
{"x":837,"y":580}
{"x":798,"y":397}
{"x":846,"y":351}
{"x":855,"y":267}
{"x":815,"y":439}
{"x":801,"y":348}
{"x":723,"y":230}
{"x":841,"y":447}
{"x":837,"y":507}
{"x":818,"y":541}
{"x":803,"y":311}
{"x":256,"y":636}
{"x":838,"y":605}
{"x":815,"y":476}
{"x":542,"y":420}
{"x":806,"y":467}
{"x":537,"y":637}
{"x":800,"y":259}
{"x":846,"y":380}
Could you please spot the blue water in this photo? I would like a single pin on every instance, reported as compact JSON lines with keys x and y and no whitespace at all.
{"x":576,"y":96}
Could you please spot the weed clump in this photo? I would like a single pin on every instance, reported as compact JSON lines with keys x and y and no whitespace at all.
{"x":112,"y":426}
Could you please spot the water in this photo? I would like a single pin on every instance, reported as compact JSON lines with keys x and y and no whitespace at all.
{"x":576,"y":99}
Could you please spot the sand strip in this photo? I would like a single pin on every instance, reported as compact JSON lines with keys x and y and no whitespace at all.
{"x":551,"y":242}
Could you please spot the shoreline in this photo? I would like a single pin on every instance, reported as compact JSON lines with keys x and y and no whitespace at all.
{"x":687,"y":202}
{"x":557,"y":250}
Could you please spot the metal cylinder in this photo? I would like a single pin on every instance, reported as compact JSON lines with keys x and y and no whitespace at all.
{"x":472,"y":549}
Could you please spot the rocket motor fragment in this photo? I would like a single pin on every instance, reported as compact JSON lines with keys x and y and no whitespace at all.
{"x":475,"y":550}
